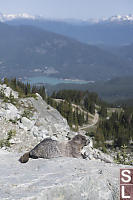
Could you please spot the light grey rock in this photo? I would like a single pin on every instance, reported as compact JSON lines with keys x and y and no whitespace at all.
{"x":57,"y":179}
{"x":34,"y":131}
{"x":27,"y":123}
{"x":41,"y":122}
{"x":14,"y":141}
{"x":91,"y":142}
{"x":21,"y":126}
{"x":71,"y":134}
{"x":8,"y":91}
{"x":12,"y":111}
{"x":49,"y":121}
{"x":2,"y":112}
{"x":95,"y":154}
{"x":9,"y":111}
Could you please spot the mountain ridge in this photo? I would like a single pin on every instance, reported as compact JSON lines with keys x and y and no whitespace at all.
{"x":114,"y":18}
{"x":113,"y":31}
{"x":25,"y":48}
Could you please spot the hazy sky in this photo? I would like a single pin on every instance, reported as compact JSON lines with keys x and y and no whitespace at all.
{"x":68,"y":8}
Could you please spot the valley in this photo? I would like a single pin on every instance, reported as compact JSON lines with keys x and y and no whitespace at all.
{"x":31,"y":51}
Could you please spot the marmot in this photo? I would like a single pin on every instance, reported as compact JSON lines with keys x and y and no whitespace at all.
{"x":49,"y":148}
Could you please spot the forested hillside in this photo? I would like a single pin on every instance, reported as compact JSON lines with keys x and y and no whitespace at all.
{"x":114,"y":128}
{"x":76,"y":106}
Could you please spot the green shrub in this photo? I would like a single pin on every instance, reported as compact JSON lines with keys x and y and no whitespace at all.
{"x":48,"y":108}
{"x":122,"y":157}
{"x":6,"y":142}
{"x":27,"y":113}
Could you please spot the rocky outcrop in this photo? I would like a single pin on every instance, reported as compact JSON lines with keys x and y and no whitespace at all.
{"x":8,"y":91}
{"x":57,"y":179}
{"x":49,"y":119}
{"x":31,"y":118}
{"x":45,"y":120}
{"x":9,"y":111}
{"x":26,"y":124}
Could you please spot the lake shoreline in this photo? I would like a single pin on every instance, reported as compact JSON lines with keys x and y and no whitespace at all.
{"x":53,"y":80}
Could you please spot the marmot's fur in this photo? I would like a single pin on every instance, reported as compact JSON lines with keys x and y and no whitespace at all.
{"x":49,"y":148}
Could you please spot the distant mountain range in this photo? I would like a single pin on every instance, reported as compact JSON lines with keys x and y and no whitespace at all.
{"x":8,"y":17}
{"x":116,"y":18}
{"x":31,"y":51}
{"x":114,"y":31}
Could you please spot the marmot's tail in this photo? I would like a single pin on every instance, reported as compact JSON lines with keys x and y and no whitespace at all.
{"x":24,"y":158}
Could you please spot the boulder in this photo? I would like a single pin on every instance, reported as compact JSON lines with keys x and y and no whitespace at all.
{"x":94,"y":154}
{"x":9,"y":112}
{"x":8,"y":91}
{"x":49,"y":121}
{"x":57,"y":179}
{"x":27,"y":123}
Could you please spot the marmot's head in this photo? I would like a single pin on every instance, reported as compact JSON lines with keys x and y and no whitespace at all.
{"x":80,"y":140}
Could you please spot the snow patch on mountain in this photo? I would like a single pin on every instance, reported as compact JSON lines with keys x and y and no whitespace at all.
{"x":9,"y":17}
{"x":116,"y":18}
{"x":121,"y":18}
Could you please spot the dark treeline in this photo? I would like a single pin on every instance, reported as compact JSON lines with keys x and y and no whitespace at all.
{"x":118,"y":128}
{"x":85,"y":99}
{"x":75,"y":116}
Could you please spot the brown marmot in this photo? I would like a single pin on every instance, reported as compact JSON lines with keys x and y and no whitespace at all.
{"x":49,"y":148}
